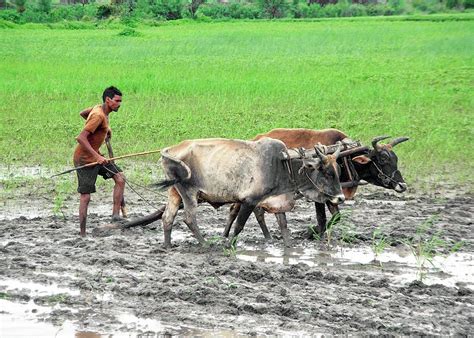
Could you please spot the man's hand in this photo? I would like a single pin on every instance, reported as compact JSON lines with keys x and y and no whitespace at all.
{"x":101,"y":160}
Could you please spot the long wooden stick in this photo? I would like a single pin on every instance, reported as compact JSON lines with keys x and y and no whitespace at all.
{"x":110,"y":159}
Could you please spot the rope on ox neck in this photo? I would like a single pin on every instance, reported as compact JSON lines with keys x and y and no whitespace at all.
{"x":289,"y":166}
{"x":384,"y":177}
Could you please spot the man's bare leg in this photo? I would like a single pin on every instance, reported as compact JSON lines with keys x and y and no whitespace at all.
{"x":119,"y":188}
{"x":83,"y":204}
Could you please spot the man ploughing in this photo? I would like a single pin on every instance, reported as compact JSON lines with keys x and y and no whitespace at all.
{"x":91,"y":138}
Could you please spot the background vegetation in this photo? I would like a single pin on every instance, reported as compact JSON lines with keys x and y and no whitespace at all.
{"x":185,"y":80}
{"x":151,"y":11}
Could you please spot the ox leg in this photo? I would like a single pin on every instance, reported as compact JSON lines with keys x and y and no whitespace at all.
{"x":260,"y":216}
{"x":281,"y":219}
{"x":190,"y":205}
{"x":174,"y":201}
{"x":244,"y":213}
{"x":321,"y":219}
{"x":234,"y":211}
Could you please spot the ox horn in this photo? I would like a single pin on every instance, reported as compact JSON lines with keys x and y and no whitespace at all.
{"x":338,"y":150}
{"x":319,"y":150}
{"x":377,"y":139}
{"x":398,"y":140}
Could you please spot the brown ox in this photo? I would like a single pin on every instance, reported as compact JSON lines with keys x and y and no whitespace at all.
{"x":378,"y":166}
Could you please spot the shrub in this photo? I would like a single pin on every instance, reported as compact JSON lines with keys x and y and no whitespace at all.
{"x":20,"y":5}
{"x":104,"y":11}
{"x":273,"y":8}
{"x":44,"y":6}
{"x":10,"y":15}
{"x":215,"y":11}
{"x":428,"y":6}
{"x":73,"y":12}
{"x":167,"y":9}
{"x":354,"y":10}
{"x":468,"y":4}
{"x":330,"y":11}
{"x":128,"y":31}
{"x":398,"y":6}
{"x":379,"y":9}
{"x":244,"y":11}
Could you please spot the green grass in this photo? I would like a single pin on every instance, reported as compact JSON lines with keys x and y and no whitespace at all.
{"x":238,"y":79}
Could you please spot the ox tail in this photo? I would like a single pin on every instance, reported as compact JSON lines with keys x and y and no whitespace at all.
{"x":176,"y":170}
{"x":165,"y":184}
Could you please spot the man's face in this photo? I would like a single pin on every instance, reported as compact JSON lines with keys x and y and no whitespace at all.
{"x":114,"y":103}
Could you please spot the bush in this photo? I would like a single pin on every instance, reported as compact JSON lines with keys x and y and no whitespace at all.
{"x":215,"y":11}
{"x":379,"y":9}
{"x":273,"y":8}
{"x":468,"y":4}
{"x":44,"y":6}
{"x":10,"y":15}
{"x":354,"y":10}
{"x":398,"y":6}
{"x":167,"y":9}
{"x":129,"y":32}
{"x":104,"y":11}
{"x":20,"y":5}
{"x":73,"y":12}
{"x":330,"y":11}
{"x":244,"y":11}
{"x":428,"y":6}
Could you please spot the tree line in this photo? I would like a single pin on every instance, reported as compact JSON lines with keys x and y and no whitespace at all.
{"x":23,"y":11}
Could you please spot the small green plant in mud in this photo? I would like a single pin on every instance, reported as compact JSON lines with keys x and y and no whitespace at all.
{"x":58,"y":298}
{"x":315,"y":234}
{"x":232,"y":286}
{"x":61,"y":190}
{"x":339,"y":221}
{"x":4,"y":295}
{"x":231,"y":250}
{"x":425,"y":246}
{"x":213,"y":240}
{"x":379,"y":244}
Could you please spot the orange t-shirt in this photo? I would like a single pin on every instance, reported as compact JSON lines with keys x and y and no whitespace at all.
{"x":97,"y":124}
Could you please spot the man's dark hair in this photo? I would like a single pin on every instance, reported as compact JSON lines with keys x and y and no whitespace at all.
{"x":111,"y":92}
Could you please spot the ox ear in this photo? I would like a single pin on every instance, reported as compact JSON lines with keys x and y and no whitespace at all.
{"x":361,"y":159}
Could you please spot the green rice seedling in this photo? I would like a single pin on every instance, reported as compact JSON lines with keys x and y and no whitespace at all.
{"x":340,"y":222}
{"x":314,"y":233}
{"x":424,"y":246}
{"x":379,"y":243}
{"x":61,"y":190}
{"x":231,"y":251}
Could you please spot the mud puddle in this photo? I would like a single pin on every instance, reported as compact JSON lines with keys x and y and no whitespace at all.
{"x":398,"y":264}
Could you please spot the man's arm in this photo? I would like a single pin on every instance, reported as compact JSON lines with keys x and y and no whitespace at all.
{"x":83,"y":141}
{"x":85,"y":113}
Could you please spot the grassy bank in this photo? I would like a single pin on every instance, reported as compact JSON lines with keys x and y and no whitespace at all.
{"x":237,"y":79}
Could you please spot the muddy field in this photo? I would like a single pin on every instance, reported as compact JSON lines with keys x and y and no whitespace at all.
{"x":121,"y":283}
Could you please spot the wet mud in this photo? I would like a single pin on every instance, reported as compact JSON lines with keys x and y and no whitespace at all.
{"x":121,"y":281}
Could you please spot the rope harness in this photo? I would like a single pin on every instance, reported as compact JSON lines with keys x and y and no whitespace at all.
{"x":127,"y":181}
{"x":384,"y":177}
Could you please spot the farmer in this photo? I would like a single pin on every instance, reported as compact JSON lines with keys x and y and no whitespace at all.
{"x":95,"y":132}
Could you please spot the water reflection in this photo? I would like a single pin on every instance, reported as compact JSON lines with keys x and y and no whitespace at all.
{"x":399,"y":263}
